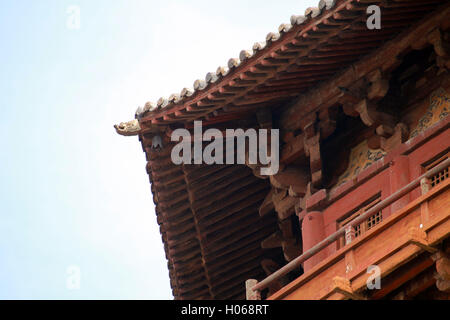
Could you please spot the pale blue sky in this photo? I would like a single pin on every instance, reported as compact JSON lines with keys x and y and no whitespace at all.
{"x":72,"y":192}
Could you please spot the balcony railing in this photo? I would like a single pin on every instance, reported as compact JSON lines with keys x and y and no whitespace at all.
{"x":424,"y":181}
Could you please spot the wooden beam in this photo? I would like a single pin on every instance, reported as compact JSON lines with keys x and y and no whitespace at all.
{"x":291,"y":176}
{"x":384,"y":59}
{"x":342,"y":286}
{"x":402,"y":276}
{"x":273,"y":241}
{"x":292,"y":149}
{"x":416,"y":285}
{"x":267,"y":205}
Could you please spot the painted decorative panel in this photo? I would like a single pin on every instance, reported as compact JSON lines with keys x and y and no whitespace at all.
{"x":360,"y":158}
{"x":438,"y":110}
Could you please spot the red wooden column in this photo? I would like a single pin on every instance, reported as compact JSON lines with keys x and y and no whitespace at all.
{"x":399,"y":177}
{"x":313,"y":231}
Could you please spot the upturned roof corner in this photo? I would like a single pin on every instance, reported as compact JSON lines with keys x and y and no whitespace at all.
{"x":130,"y":128}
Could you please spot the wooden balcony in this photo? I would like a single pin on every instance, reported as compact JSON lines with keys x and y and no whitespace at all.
{"x":395,"y":245}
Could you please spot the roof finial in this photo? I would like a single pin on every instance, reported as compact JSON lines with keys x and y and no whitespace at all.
{"x":130,"y":128}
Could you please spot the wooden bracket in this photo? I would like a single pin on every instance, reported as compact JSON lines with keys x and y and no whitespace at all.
{"x":284,"y":237}
{"x":400,"y":135}
{"x":284,"y":204}
{"x":272,"y":241}
{"x":312,"y":150}
{"x":327,"y":122}
{"x":292,"y":178}
{"x":292,"y":149}
{"x":348,"y":99}
{"x":384,"y":131}
{"x":441,"y":45}
{"x":442,"y":264}
{"x":343,"y":286}
{"x":419,"y":238}
{"x":370,"y":116}
{"x":300,"y":208}
{"x":361,"y":101}
{"x":443,"y":271}
{"x":379,"y":85}
{"x":443,"y":285}
{"x":308,"y":125}
{"x":291,"y":249}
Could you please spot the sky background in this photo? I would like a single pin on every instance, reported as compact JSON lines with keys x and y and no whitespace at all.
{"x":72,"y":191}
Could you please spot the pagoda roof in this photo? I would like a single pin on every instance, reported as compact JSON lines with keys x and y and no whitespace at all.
{"x":209,"y":216}
{"x":310,"y":49}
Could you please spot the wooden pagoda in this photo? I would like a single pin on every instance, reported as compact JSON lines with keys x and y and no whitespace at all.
{"x":364,"y":170}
